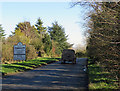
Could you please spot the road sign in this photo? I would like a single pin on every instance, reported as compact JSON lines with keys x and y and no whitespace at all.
{"x":19,"y":51}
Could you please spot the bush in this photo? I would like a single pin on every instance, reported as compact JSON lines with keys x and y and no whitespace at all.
{"x":80,"y":54}
{"x":7,"y":48}
{"x":7,"y":52}
{"x":30,"y":52}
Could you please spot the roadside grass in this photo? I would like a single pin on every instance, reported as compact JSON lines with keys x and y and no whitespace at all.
{"x":101,"y":79}
{"x":26,"y":65}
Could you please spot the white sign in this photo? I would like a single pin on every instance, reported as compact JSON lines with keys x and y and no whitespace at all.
{"x":19,"y":51}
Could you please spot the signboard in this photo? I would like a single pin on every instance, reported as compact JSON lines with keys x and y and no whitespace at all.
{"x":19,"y":51}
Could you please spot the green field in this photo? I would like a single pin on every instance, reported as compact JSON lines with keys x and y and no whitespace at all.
{"x":26,"y":65}
{"x":100,"y":79}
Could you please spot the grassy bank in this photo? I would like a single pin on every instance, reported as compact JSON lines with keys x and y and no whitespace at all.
{"x":101,"y":79}
{"x":25,"y":65}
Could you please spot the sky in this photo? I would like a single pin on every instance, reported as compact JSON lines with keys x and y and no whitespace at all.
{"x":72,"y":19}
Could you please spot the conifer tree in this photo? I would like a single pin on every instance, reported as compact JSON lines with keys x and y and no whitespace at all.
{"x":57,"y":34}
{"x":2,"y":32}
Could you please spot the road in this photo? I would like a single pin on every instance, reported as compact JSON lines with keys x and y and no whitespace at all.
{"x":51,"y":76}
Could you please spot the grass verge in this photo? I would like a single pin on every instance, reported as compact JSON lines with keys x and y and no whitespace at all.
{"x":25,"y":65}
{"x":101,"y":79}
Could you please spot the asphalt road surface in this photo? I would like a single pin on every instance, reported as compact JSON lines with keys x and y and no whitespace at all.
{"x":52,"y":76}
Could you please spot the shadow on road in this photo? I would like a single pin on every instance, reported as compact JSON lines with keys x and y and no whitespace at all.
{"x":52,"y":76}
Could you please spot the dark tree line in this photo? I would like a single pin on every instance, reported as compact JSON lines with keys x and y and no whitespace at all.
{"x":47,"y":42}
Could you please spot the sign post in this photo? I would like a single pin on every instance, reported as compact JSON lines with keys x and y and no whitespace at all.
{"x":19,"y":51}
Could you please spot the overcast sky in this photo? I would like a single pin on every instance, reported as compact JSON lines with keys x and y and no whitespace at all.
{"x":70,"y":18}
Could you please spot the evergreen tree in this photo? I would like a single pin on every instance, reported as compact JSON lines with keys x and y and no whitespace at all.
{"x":57,"y":34}
{"x":47,"y":44}
{"x":40,"y":28}
{"x":2,"y":32}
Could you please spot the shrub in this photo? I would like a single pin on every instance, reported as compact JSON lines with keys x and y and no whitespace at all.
{"x":30,"y":52}
{"x":7,"y":48}
{"x":7,"y":52}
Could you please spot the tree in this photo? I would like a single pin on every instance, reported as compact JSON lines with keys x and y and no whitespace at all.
{"x":39,"y":25}
{"x":25,"y":28}
{"x":47,"y":44}
{"x":103,"y":28}
{"x":57,"y":34}
{"x":2,"y":32}
{"x":105,"y":32}
{"x":80,"y":50}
